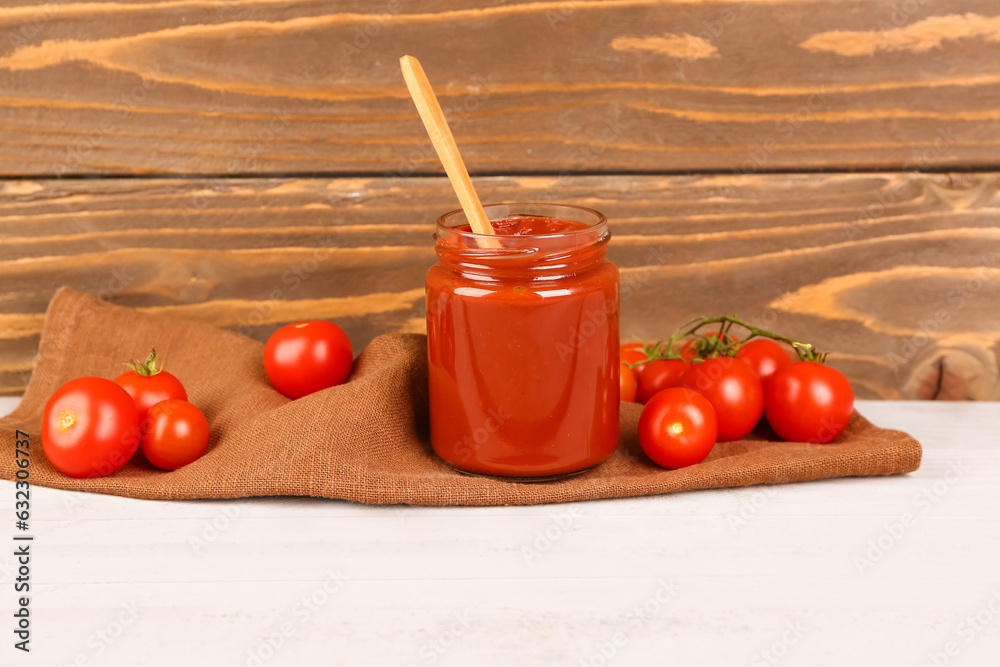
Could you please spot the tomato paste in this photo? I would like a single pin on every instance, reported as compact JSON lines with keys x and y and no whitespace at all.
{"x":522,"y":332}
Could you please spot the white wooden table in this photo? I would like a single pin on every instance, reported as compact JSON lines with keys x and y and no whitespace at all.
{"x":900,"y":570}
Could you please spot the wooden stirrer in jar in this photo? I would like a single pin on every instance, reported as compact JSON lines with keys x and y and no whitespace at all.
{"x":444,"y":143}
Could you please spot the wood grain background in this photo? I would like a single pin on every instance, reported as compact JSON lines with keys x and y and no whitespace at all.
{"x":271,"y":86}
{"x":787,"y":251}
{"x":251,"y":163}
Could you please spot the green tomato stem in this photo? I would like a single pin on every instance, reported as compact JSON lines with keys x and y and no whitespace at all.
{"x":148,"y":367}
{"x":805,"y":351}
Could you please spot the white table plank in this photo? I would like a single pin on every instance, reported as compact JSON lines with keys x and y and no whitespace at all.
{"x":757,"y":576}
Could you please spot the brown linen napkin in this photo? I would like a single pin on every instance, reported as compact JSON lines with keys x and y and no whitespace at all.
{"x":365,"y":440}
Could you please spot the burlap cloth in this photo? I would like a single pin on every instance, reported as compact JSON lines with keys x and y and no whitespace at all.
{"x":365,"y":440}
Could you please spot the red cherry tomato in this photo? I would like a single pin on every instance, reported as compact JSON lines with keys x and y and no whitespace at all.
{"x":659,"y":375}
{"x":677,"y":428}
{"x":634,"y":353}
{"x":733,"y":389}
{"x":627,"y":384}
{"x":90,"y":427}
{"x":765,"y":357}
{"x":808,"y":402}
{"x":176,"y":435}
{"x":305,"y":357}
{"x":148,"y":385}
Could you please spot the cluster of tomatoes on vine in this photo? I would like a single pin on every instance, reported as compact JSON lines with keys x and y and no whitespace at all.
{"x":701,"y":388}
{"x":92,"y":426}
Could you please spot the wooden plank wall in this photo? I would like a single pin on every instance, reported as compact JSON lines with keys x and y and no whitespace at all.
{"x":272,"y":86}
{"x":251,"y":163}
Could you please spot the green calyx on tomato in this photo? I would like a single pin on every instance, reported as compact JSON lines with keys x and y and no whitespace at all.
{"x":148,"y":367}
{"x":148,"y":384}
{"x":709,"y":346}
{"x":637,"y":354}
{"x":641,"y":353}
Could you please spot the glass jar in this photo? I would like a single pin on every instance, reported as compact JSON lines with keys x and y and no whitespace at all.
{"x":522,"y":335}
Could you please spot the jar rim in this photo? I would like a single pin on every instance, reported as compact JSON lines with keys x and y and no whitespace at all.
{"x":597,"y":222}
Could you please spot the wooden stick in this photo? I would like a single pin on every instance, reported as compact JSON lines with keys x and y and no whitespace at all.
{"x":444,"y":143}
